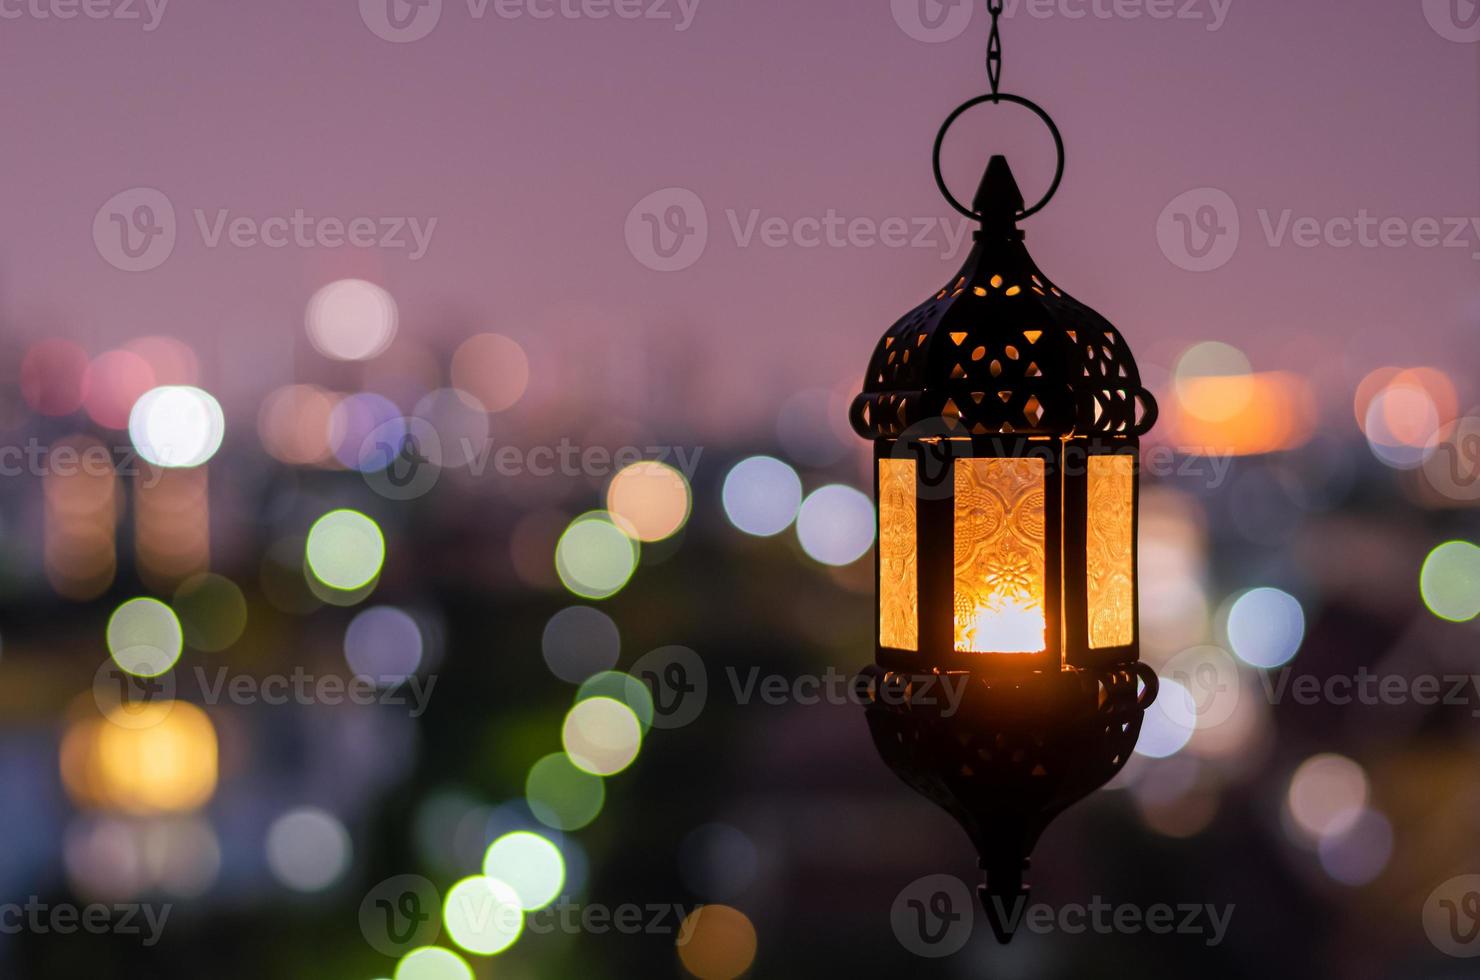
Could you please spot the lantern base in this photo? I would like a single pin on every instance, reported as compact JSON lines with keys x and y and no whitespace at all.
{"x":1008,"y":755}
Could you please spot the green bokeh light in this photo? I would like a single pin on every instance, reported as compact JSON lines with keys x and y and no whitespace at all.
{"x":345,"y":550}
{"x":483,"y":915}
{"x":528,"y":863}
{"x":144,"y":637}
{"x":624,"y":688}
{"x":561,"y":795}
{"x":433,"y":963}
{"x":595,"y":558}
{"x":1450,"y":581}
{"x":212,"y":610}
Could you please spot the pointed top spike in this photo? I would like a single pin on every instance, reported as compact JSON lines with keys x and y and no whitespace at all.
{"x":998,"y":200}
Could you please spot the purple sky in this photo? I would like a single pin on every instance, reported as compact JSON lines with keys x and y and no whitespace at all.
{"x":530,"y":141}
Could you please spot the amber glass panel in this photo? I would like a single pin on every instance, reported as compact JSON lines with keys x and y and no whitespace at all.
{"x":1110,"y":565}
{"x":1000,"y":595}
{"x":899,"y":618}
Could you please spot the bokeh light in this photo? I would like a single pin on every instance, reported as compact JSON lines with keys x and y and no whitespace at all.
{"x":1450,"y":581}
{"x":142,"y":759}
{"x":1358,"y":855}
{"x":594,"y":558}
{"x":212,"y":611}
{"x":716,"y":942}
{"x":54,"y":377}
{"x":308,"y":849}
{"x":718,"y":861}
{"x":353,"y":421}
{"x":649,"y":500}
{"x":483,"y":915}
{"x":384,"y":644}
{"x":836,"y":525}
{"x":493,"y":369}
{"x":562,"y":796}
{"x":351,"y":320}
{"x":1327,"y":795}
{"x":1169,"y":723}
{"x":345,"y":550}
{"x":177,"y":426}
{"x":530,"y":864}
{"x":293,"y":424}
{"x":580,"y":641}
{"x":623,"y":688}
{"x":1265,"y":627}
{"x":145,"y":637}
{"x":433,"y":963}
{"x":762,"y":496}
{"x":115,"y":380}
{"x":601,"y":736}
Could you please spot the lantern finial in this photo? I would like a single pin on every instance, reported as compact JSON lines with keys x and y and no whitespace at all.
{"x":998,"y":199}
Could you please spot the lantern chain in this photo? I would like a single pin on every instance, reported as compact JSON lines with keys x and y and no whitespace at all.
{"x":994,"y":46}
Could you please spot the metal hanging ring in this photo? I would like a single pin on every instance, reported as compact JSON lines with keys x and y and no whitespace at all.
{"x":1037,"y":110}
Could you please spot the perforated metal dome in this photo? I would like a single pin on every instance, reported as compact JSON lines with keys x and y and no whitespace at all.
{"x":1002,"y":350}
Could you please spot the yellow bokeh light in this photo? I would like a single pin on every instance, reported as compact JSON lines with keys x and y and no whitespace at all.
{"x":144,"y":637}
{"x":602,"y":736}
{"x":161,"y":759}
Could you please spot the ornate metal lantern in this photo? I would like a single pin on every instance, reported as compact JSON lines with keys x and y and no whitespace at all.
{"x":1005,"y":417}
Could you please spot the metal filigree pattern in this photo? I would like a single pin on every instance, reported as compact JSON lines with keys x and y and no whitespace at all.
{"x":1000,"y":556}
{"x":1003,"y":351}
{"x":899,"y":625}
{"x":1110,"y":565}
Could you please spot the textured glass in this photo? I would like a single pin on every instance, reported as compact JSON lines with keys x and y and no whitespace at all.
{"x":899,"y":618}
{"x":1000,"y":602}
{"x":1110,"y":565}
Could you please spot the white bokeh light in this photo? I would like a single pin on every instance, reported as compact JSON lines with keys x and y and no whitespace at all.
{"x":762,"y":495}
{"x":836,"y":525}
{"x":1169,"y":723}
{"x":1265,"y":628}
{"x":351,"y":320}
{"x":308,"y":850}
{"x":177,"y":426}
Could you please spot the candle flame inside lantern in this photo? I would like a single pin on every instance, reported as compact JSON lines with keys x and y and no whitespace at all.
{"x":1005,"y":624}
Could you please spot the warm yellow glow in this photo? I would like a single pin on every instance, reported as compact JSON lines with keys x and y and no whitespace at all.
{"x":1000,"y":602}
{"x":1012,"y":624}
{"x":1109,"y":563}
{"x":899,"y":625}
{"x":1244,"y":415}
{"x":157,"y":758}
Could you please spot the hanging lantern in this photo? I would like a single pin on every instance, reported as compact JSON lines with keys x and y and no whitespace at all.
{"x":1006,"y":418}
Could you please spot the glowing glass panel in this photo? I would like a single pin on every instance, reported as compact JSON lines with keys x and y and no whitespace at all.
{"x":1000,"y":556}
{"x":899,"y":623}
{"x":1110,"y":564}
